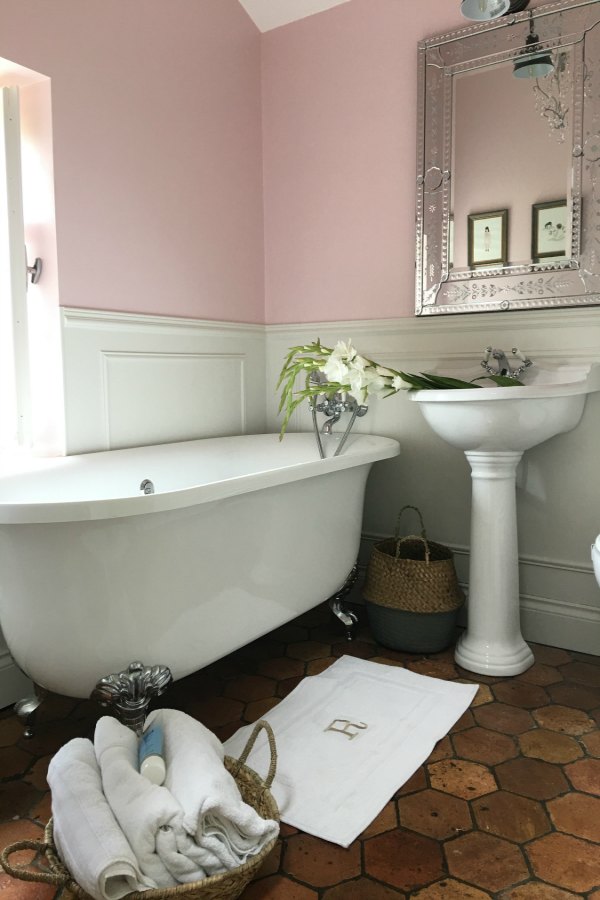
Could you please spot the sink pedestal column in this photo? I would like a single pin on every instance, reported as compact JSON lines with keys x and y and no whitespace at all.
{"x":492,"y":643}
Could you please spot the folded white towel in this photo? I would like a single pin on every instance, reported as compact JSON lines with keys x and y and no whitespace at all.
{"x":140,"y":807}
{"x":152,"y":819}
{"x":87,"y":835}
{"x":215,"y":816}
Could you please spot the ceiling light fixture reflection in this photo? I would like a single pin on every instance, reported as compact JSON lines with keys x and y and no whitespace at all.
{"x":532,"y":64}
{"x":484,"y":10}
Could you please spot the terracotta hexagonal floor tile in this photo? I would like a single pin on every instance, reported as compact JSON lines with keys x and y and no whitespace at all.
{"x":10,"y":889}
{"x":307,"y":650}
{"x":11,"y":730}
{"x":42,"y":810}
{"x":37,"y":774}
{"x":14,"y":761}
{"x":277,"y":887}
{"x":250,"y":687}
{"x":316,"y":666}
{"x":17,"y":799}
{"x":550,"y":656}
{"x":485,"y":861}
{"x":403,"y":859}
{"x":564,"y":719}
{"x":435,"y":668}
{"x":550,"y":745}
{"x":462,"y":779}
{"x":576,"y":695}
{"x":435,"y":814}
{"x":541,"y":674}
{"x":385,"y":821}
{"x":585,"y":775}
{"x":582,"y":673}
{"x":281,"y":667}
{"x":416,"y":782}
{"x":387,"y":661}
{"x":535,"y":890}
{"x":518,"y":693}
{"x":591,"y":742}
{"x":217,"y":711}
{"x":504,"y":718}
{"x":465,"y":721}
{"x":287,"y":686}
{"x":484,"y":746}
{"x":362,"y":889}
{"x":258,"y":708}
{"x":442,"y":750}
{"x":577,"y":814}
{"x":449,"y":889}
{"x":359,"y":649}
{"x":532,"y":778}
{"x":510,"y":816}
{"x":566,"y":861}
{"x":320,"y":863}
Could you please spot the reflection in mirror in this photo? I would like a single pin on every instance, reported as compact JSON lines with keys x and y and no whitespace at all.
{"x":508,"y":167}
{"x":525,"y":162}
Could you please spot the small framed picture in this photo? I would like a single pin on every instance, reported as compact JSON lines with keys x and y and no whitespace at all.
{"x":548,"y":229}
{"x":488,"y":238}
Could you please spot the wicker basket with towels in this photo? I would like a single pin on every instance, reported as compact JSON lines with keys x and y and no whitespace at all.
{"x":254,"y":790}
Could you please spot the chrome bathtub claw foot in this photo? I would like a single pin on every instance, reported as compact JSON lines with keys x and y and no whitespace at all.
{"x":345,"y":615}
{"x":27,"y":709}
{"x":129,"y":693}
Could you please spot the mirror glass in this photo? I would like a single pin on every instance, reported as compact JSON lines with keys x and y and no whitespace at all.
{"x":508,"y":156}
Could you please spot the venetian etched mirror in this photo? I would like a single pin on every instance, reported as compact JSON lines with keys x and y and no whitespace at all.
{"x":508,"y":179}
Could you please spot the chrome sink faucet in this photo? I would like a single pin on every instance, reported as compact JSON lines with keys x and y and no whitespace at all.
{"x":502,"y":365}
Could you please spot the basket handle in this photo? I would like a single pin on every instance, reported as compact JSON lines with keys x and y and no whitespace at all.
{"x":22,"y":872}
{"x":418,"y":512}
{"x":413,"y":537}
{"x":262,"y":725}
{"x":422,"y":536}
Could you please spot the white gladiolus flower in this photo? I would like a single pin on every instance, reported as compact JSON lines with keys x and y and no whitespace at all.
{"x":399,"y":384}
{"x":387,"y":373}
{"x":344,"y":351}
{"x":336,"y":370}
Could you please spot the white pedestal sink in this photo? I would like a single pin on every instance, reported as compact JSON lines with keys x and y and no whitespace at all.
{"x":494,"y":426}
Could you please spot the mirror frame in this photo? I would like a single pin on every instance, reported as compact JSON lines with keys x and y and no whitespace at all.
{"x":574,"y":281}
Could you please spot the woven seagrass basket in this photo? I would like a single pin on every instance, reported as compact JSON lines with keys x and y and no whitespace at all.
{"x":412,"y":592}
{"x":227,"y":886}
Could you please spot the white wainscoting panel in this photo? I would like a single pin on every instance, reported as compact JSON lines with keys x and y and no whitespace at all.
{"x":153,"y":397}
{"x":131,"y":379}
{"x":558,"y":492}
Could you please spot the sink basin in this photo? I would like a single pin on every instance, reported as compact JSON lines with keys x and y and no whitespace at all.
{"x":494,"y":426}
{"x":513,"y":418}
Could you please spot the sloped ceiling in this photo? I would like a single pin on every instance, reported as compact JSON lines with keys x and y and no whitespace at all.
{"x":268,"y":14}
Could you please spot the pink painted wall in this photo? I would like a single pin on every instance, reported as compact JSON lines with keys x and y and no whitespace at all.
{"x":157,"y":151}
{"x":339,"y":114}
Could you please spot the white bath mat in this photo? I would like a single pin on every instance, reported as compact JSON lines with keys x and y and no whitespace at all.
{"x":348,"y":738}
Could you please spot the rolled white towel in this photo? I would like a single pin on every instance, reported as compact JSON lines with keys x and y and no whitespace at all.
{"x":151,"y":818}
{"x":88,"y":837}
{"x":215,"y":815}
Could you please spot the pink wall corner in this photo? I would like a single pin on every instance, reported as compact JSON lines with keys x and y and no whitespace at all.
{"x":157,"y":151}
{"x":339,"y":136}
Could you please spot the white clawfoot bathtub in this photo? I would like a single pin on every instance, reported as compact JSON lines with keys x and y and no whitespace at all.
{"x":241,"y":535}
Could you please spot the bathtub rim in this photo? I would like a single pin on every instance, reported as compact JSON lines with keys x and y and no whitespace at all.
{"x":361,"y":449}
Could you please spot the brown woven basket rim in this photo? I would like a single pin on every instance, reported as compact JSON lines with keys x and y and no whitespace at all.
{"x":58,"y":868}
{"x":388,"y":547}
